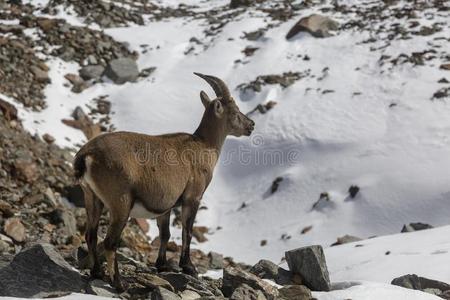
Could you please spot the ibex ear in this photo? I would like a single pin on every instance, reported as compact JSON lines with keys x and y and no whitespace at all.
{"x":205,"y":99}
{"x":218,"y":108}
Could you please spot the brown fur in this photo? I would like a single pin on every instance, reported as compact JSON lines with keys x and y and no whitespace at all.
{"x":122,"y":169}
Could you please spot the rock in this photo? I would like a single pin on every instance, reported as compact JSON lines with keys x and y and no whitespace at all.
{"x":215,"y":260}
{"x":163,"y":294}
{"x":14,"y":229}
{"x":147,"y":72}
{"x":233,"y":277}
{"x":414,"y":282}
{"x":182,"y":282}
{"x":40,"y":75}
{"x":40,"y":269}
{"x":47,"y":24}
{"x":100,"y":288}
{"x":122,"y":70}
{"x":92,"y":72}
{"x":415,"y":227}
{"x":199,"y":233}
{"x":238,"y":3}
{"x":245,"y":292}
{"x":189,"y":295}
{"x":295,"y":292}
{"x":103,"y":106}
{"x":143,"y":224}
{"x":353,"y":191}
{"x":346,"y":239}
{"x":445,"y":67}
{"x":26,"y":171}
{"x":265,"y":269}
{"x":153,"y":281}
{"x":78,"y":83}
{"x":316,"y":25}
{"x":48,"y":138}
{"x":309,"y":262}
{"x":8,"y":110}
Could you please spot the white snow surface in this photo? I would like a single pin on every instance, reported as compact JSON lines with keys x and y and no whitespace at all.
{"x":399,"y":156}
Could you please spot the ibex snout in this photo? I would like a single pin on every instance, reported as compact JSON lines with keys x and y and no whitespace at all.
{"x":250,"y":126}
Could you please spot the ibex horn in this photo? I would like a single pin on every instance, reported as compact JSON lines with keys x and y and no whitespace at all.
{"x":219,"y":87}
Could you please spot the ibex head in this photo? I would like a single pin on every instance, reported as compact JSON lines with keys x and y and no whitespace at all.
{"x":224,"y":110}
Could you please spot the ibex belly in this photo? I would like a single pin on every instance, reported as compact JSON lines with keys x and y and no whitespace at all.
{"x":139,"y":211}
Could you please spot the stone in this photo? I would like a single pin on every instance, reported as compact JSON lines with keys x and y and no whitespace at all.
{"x":100,"y":288}
{"x":14,"y":229}
{"x":48,"y":138}
{"x":295,"y":292}
{"x":41,"y":270}
{"x":265,"y":269}
{"x":238,"y":3}
{"x":26,"y":171}
{"x":153,"y":281}
{"x":233,"y":277}
{"x":445,"y":67}
{"x":189,"y":295}
{"x":40,"y":75}
{"x":92,"y":72}
{"x":182,"y":282}
{"x":147,"y":72}
{"x":8,"y":110}
{"x":122,"y":70}
{"x":47,"y":24}
{"x":215,"y":260}
{"x":309,"y":262}
{"x":163,"y":294}
{"x":415,"y":227}
{"x":245,"y":292}
{"x":346,"y":239}
{"x":199,"y":233}
{"x":414,"y":282}
{"x":317,"y":25}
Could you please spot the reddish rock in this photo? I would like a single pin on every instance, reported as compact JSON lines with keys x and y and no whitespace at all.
{"x":26,"y":171}
{"x":14,"y":229}
{"x":48,"y":138}
{"x":199,"y":233}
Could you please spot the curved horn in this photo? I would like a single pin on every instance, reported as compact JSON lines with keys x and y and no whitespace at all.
{"x":219,"y":87}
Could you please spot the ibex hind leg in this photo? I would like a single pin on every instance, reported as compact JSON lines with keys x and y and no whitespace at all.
{"x":164,"y":235}
{"x":118,"y":219}
{"x":94,"y":208}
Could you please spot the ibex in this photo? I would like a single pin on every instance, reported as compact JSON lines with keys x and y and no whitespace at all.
{"x":141,"y":175}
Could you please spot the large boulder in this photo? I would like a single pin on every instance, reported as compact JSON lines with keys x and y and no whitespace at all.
{"x":414,"y":282}
{"x":235,"y":277}
{"x":122,"y":70}
{"x":37,"y":270}
{"x":309,"y":263}
{"x":317,"y":25}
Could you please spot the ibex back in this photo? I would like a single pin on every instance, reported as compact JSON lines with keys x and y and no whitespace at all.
{"x":140,"y":175}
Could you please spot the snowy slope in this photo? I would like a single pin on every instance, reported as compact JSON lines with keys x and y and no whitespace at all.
{"x":399,"y":156}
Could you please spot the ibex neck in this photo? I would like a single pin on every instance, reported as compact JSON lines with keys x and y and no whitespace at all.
{"x":211,"y":133}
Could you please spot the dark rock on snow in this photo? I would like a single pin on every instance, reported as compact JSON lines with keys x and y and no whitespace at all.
{"x":316,"y":25}
{"x":309,"y":262}
{"x":265,"y":269}
{"x":346,"y":239}
{"x":414,"y":282}
{"x":92,"y":72}
{"x":415,"y":227}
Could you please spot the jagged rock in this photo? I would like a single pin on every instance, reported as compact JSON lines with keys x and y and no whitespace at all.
{"x":40,"y":75}
{"x":14,"y":229}
{"x":309,"y":262}
{"x":92,"y":72}
{"x":234,"y":277}
{"x":245,"y":292}
{"x":414,"y":282}
{"x":265,"y":269}
{"x":40,"y":269}
{"x":8,"y":110}
{"x":100,"y":288}
{"x":163,"y":294}
{"x":215,"y":260}
{"x":316,"y":25}
{"x":182,"y":282}
{"x":295,"y":292}
{"x":147,"y":72}
{"x":415,"y":227}
{"x":346,"y":239}
{"x":353,"y":191}
{"x":122,"y":70}
{"x":153,"y":281}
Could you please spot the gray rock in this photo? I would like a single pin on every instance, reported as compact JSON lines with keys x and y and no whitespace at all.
{"x":215,"y":260}
{"x":190,"y":295}
{"x":309,"y":262}
{"x":122,"y":70}
{"x":163,"y":294}
{"x":414,"y":282}
{"x":245,"y":292}
{"x":182,"y":282}
{"x":41,"y":270}
{"x":238,"y":3}
{"x":295,"y":292}
{"x":415,"y":227}
{"x":234,"y":277}
{"x":316,"y":25}
{"x":265,"y":269}
{"x":100,"y":288}
{"x":92,"y":72}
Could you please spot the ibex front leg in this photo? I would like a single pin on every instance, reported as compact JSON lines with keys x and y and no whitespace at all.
{"x":188,"y":213}
{"x":164,"y":235}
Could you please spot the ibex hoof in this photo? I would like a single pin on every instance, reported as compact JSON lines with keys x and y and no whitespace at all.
{"x":190,"y":270}
{"x":96,"y":273}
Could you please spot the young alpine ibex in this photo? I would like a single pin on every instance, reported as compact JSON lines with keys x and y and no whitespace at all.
{"x":140,"y":175}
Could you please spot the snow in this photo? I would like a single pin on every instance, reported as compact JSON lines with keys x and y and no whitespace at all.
{"x":399,"y":156}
